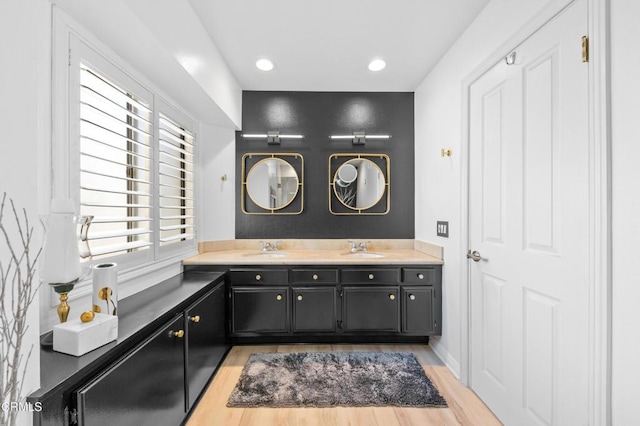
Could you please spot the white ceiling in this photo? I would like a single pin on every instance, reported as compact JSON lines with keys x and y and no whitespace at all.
{"x":326,"y":45}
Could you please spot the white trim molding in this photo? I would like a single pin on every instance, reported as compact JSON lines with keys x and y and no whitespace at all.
{"x":599,"y":262}
{"x":447,"y":359}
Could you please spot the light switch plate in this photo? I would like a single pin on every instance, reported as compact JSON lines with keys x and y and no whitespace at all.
{"x":443,"y":229}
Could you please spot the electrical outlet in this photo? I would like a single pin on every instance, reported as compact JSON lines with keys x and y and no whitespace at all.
{"x":443,"y":229}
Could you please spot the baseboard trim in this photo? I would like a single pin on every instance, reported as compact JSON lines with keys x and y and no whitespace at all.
{"x":447,"y":359}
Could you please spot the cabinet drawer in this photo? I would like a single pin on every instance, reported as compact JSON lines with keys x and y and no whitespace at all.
{"x":319,"y":276}
{"x":258,"y":276}
{"x":425,"y":276}
{"x":370,"y":276}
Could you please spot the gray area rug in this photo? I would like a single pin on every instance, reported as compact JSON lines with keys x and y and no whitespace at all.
{"x":334,"y":379}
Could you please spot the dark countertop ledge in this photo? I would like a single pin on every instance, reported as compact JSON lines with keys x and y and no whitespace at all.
{"x":139,"y":315}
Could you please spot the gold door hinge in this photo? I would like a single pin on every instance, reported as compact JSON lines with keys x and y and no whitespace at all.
{"x":585,"y":49}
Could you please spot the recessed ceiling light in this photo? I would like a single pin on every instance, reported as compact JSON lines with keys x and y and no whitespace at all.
{"x":377,"y":65}
{"x":264,"y":64}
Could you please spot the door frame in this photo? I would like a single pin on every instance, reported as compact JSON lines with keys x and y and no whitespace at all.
{"x":599,"y":261}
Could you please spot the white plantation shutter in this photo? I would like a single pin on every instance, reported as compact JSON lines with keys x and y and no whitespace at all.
{"x":116,"y":165}
{"x":128,"y":158}
{"x":175,"y":181}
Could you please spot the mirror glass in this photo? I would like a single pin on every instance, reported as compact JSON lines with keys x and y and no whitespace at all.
{"x":359,"y":183}
{"x":272,"y":183}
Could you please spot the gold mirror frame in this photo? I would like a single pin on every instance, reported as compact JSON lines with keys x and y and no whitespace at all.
{"x":337,"y":206}
{"x":246,"y":172}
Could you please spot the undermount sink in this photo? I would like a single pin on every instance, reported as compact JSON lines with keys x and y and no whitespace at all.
{"x":268,"y":254}
{"x":364,"y":254}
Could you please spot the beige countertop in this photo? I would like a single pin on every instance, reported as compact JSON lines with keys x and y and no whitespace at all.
{"x":306,"y":254}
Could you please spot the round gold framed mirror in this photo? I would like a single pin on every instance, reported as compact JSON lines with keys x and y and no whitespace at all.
{"x":359,"y":184}
{"x":272,"y":183}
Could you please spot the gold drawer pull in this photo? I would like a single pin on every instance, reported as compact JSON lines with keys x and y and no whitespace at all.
{"x":371,"y":276}
{"x":195,"y":318}
{"x":258,"y":277}
{"x":412,"y":297}
{"x":420,"y":276}
{"x":315,"y":277}
{"x":392,"y":296}
{"x":179,"y":334}
{"x":299,"y":297}
{"x":279,"y":297}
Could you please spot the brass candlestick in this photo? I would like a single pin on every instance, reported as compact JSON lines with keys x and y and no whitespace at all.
{"x":63,"y":290}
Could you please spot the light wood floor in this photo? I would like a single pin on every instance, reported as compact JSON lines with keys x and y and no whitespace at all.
{"x":464,"y":407}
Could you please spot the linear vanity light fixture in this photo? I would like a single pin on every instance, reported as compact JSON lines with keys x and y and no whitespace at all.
{"x":359,"y":138}
{"x":273,"y":138}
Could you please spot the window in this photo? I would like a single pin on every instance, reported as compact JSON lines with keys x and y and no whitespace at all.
{"x":131,"y":163}
{"x":115,"y":165}
{"x":175,"y":182}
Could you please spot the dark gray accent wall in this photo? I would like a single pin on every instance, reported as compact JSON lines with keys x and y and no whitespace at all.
{"x":317,"y":115}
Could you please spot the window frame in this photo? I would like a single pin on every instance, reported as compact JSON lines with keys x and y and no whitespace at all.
{"x":72,"y":44}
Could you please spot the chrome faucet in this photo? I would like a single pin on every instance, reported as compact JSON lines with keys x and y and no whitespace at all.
{"x":359,"y":246}
{"x":270,"y":246}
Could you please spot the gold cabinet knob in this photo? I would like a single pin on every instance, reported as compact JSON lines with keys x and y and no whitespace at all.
{"x":371,"y":276}
{"x":299,"y":297}
{"x":258,"y":277}
{"x":412,"y":297}
{"x":179,"y":334}
{"x":315,"y":277}
{"x":279,"y":297}
{"x":195,"y":318}
{"x":392,"y":296}
{"x":420,"y":276}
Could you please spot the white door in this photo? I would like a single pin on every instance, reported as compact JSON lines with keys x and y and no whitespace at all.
{"x":529,"y":222}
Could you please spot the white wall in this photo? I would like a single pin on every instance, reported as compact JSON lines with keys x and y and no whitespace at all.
{"x":625,"y":115}
{"x":216,"y":200}
{"x":169,"y":20}
{"x":437,"y":120}
{"x":186,"y":65}
{"x":23,"y":116}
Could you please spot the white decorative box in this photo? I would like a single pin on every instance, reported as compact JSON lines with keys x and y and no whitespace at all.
{"x":75,"y":337}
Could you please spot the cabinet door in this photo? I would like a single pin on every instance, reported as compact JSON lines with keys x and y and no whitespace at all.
{"x":366,"y":308}
{"x":205,"y":340}
{"x":417,"y":310}
{"x":260,"y":309}
{"x":314,"y":309}
{"x":145,"y":388}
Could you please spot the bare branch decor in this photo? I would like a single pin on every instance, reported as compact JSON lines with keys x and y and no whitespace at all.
{"x":18,"y":290}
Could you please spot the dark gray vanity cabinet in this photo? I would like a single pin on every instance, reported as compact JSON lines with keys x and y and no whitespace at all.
{"x":144,"y":388}
{"x":160,"y":380}
{"x":205,"y":341}
{"x":335,"y":303}
{"x":171,"y":339}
